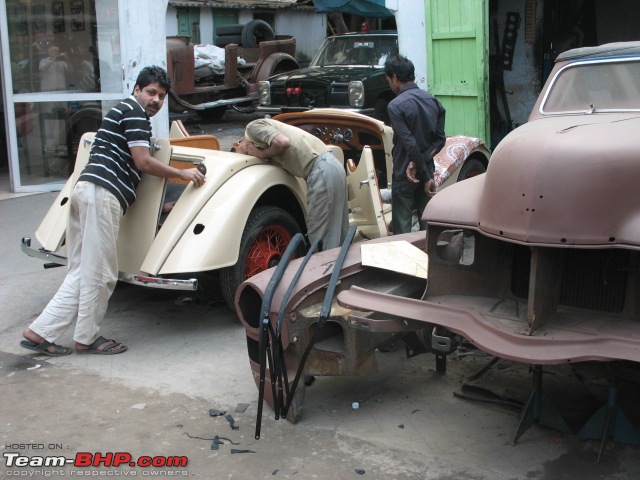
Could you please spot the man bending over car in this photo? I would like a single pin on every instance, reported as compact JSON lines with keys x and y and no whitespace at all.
{"x":306,"y":156}
{"x":105,"y":189}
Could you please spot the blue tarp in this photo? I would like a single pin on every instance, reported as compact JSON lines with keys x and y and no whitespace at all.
{"x":364,"y":8}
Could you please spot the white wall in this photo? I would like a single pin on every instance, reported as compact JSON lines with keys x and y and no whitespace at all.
{"x":172,"y":22}
{"x":310,"y":30}
{"x":410,"y":20}
{"x":140,"y":50}
{"x":206,"y":25}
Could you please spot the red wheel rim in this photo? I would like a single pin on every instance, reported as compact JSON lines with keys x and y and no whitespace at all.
{"x":267,"y":249}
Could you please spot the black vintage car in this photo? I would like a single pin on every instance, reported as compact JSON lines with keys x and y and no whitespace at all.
{"x":347,"y":72}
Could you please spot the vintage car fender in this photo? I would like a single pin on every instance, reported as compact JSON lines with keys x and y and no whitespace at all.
{"x":456,"y":205}
{"x":274,"y":63}
{"x":204,"y":229}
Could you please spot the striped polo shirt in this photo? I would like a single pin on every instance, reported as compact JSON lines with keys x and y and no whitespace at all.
{"x":110,"y":162}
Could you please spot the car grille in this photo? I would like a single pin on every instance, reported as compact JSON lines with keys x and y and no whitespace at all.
{"x":310,"y":97}
{"x":592,"y":279}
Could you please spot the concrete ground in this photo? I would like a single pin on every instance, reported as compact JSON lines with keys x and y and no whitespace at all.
{"x":187,"y":355}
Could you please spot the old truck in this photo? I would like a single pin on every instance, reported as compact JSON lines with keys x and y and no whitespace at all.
{"x":205,"y":90}
{"x":535,"y":261}
{"x":209,"y":91}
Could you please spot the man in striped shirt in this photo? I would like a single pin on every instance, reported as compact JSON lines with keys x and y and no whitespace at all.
{"x":105,"y":189}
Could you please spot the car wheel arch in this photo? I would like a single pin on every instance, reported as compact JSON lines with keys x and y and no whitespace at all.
{"x":221,"y":245}
{"x":276,"y":64}
{"x":265,"y":238}
{"x":471,"y":166}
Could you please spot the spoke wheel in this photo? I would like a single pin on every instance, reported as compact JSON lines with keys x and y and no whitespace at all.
{"x":266,"y":236}
{"x":267,"y":249}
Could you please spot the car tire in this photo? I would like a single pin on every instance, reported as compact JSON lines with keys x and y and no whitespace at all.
{"x":471,"y":168}
{"x":265,"y":238}
{"x":230,"y":29}
{"x":224,"y":40}
{"x":255,"y":32}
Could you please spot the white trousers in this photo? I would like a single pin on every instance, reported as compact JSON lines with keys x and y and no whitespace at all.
{"x":92,"y":231}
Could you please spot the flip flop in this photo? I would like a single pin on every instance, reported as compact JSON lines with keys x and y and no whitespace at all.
{"x":58,"y":351}
{"x":94,"y":348}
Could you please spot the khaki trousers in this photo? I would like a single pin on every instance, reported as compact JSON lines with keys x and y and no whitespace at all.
{"x":327,"y":209}
{"x":92,"y":231}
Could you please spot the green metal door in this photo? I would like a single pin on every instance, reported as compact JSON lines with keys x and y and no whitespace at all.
{"x":457,"y":63}
{"x":189,"y":23}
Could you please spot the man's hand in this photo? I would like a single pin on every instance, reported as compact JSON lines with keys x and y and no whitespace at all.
{"x":192,"y":175}
{"x":430,"y":188}
{"x":251,"y":149}
{"x":411,"y":172}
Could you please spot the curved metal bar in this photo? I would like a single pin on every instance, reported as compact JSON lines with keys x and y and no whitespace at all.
{"x":324,"y":312}
{"x":263,"y":331}
{"x":280,"y":367}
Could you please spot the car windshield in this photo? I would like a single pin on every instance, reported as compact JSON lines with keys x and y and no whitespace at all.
{"x":589,"y":87}
{"x":356,"y":50}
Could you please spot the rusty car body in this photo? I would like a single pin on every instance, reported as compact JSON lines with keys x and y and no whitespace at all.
{"x":535,"y":261}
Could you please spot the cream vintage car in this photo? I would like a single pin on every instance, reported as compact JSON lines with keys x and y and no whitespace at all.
{"x":240,"y":222}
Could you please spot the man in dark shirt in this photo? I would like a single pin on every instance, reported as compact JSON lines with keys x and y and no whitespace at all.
{"x":417,"y":119}
{"x":105,"y":189}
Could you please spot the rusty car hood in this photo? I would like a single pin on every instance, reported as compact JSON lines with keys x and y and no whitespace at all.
{"x":573,"y":189}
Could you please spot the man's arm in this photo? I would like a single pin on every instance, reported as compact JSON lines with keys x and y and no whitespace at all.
{"x":147,"y":164}
{"x":279,"y":144}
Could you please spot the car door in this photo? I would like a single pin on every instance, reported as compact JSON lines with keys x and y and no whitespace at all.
{"x":51,"y":231}
{"x":139,"y":225}
{"x":366,"y":209}
{"x":137,"y":228}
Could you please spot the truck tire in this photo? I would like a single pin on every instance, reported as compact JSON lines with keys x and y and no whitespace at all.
{"x":224,"y":40}
{"x":255,"y":32}
{"x":266,"y":235}
{"x":230,"y":29}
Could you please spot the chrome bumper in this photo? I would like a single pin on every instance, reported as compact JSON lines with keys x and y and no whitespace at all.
{"x":55,"y":260}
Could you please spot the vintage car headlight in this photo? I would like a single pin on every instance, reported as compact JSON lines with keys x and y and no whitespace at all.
{"x":264,"y":92}
{"x":356,"y":94}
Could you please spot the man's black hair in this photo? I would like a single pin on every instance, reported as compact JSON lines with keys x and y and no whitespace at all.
{"x":152,"y":74}
{"x":401,"y":67}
